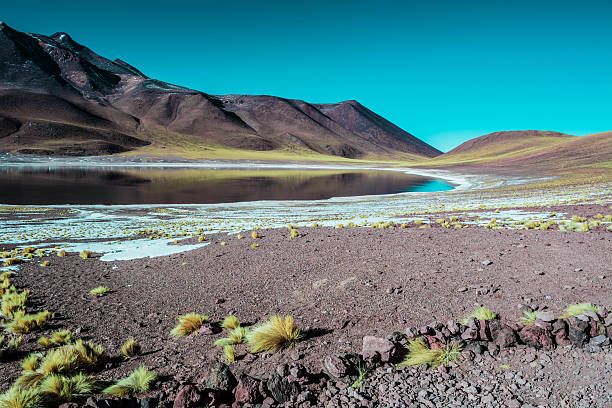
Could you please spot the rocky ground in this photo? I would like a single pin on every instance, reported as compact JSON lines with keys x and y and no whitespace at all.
{"x":342,"y":285}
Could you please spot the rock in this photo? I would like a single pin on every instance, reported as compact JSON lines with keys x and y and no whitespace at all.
{"x":377,"y":348}
{"x":69,"y":405}
{"x":608,"y":320}
{"x":247,"y":390}
{"x":281,"y":389}
{"x":149,"y":402}
{"x":487,"y":262}
{"x":600,"y":340}
{"x":537,"y":337}
{"x":462,"y":289}
{"x":470,"y":334}
{"x":484,"y":332}
{"x":592,"y":314}
{"x":546,"y":316}
{"x":478,"y":347}
{"x":336,"y":366}
{"x":505,"y":337}
{"x":221,"y":378}
{"x":452,"y":327}
{"x":577,"y":332}
{"x":409,"y":332}
{"x":188,"y":397}
{"x":209,"y":328}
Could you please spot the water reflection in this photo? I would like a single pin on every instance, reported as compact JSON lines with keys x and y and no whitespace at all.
{"x":198,"y":186}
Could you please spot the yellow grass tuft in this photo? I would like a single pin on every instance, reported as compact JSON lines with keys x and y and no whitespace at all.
{"x":58,"y":338}
{"x":131,"y":348}
{"x":529,"y":318}
{"x":188,"y":324}
{"x":229,"y":353}
{"x":70,"y":358}
{"x":25,"y":323}
{"x":31,"y":362}
{"x":419,"y":354}
{"x":275,"y":334}
{"x":17,"y":397}
{"x":45,"y":263}
{"x":482,"y":313}
{"x":85,"y":254}
{"x":139,"y":381}
{"x":254,"y":234}
{"x":578,"y":308}
{"x":254,"y":245}
{"x":230,"y":322}
{"x":100,"y":290}
{"x":13,"y":301}
{"x":62,"y":253}
{"x":201,"y":238}
{"x":12,"y":261}
{"x":63,"y":388}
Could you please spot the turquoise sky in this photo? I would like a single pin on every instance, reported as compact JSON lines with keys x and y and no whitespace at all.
{"x":445,"y":71}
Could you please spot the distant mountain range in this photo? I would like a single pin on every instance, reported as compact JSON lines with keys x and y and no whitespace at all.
{"x":59,"y":97}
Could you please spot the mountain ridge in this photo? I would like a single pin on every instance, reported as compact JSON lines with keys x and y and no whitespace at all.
{"x":52,"y":84}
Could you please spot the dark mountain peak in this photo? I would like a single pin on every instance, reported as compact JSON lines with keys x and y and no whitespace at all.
{"x":63,"y":38}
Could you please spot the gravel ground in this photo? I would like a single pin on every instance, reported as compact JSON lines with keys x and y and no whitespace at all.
{"x":340,"y":285}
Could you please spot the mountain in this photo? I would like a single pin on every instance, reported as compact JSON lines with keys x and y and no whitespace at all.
{"x":60,"y":97}
{"x":501,"y":144}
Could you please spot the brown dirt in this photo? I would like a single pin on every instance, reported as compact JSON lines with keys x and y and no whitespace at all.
{"x":335,"y":282}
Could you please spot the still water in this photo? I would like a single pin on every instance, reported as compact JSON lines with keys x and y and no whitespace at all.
{"x":198,"y":186}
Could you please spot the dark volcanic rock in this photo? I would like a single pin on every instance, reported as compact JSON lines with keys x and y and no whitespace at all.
{"x":221,"y":378}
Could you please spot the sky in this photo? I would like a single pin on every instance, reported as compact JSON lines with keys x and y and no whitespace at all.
{"x":445,"y":71}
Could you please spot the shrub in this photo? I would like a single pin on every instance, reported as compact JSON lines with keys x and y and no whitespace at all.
{"x":275,"y":334}
{"x":188,"y":324}
{"x":100,"y":290}
{"x":138,"y":381}
{"x":419,"y":354}
{"x":131,"y":348}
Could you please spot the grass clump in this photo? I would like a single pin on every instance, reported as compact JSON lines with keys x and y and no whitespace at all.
{"x":57,"y":338}
{"x":100,"y":290}
{"x":24,"y":323}
{"x":201,"y":238}
{"x":362,"y":372}
{"x":529,"y":318}
{"x":131,"y":349}
{"x":45,"y":263}
{"x":10,"y":346}
{"x":18,"y":397}
{"x":254,"y":234}
{"x":419,"y":354}
{"x":228,"y":351}
{"x":82,"y":355}
{"x":62,"y":253}
{"x":188,"y":324}
{"x":13,"y":301}
{"x":230,"y":322}
{"x":85,"y":254}
{"x":63,"y":388}
{"x":482,"y":313}
{"x":138,"y":381}
{"x":31,"y":362}
{"x":12,"y":261}
{"x":254,"y":245}
{"x":578,"y":308}
{"x":294,"y":233}
{"x":276,"y":334}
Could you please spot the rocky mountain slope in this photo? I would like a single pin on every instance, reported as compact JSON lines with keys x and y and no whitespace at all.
{"x":59,"y":97}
